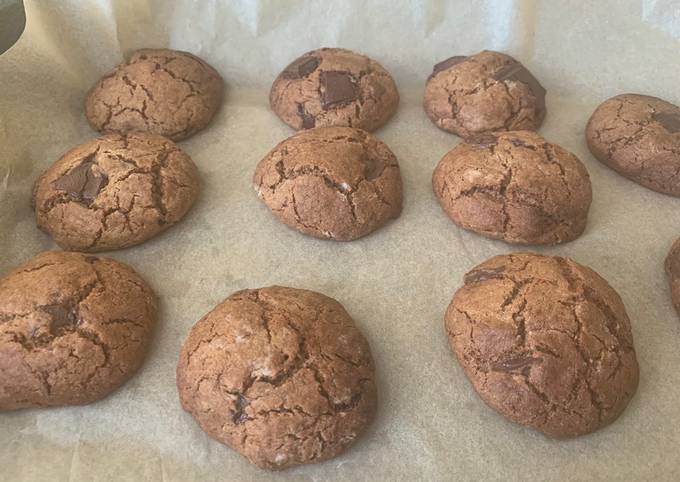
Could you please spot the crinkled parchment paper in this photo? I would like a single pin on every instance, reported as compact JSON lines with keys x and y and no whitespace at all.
{"x":397,"y":282}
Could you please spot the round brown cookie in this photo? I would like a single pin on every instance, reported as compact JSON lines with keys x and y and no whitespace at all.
{"x":639,"y":137}
{"x":162,"y":91}
{"x":331,"y":182}
{"x":514,"y":186}
{"x":485,"y":92}
{"x":73,"y":328}
{"x":334,"y":87}
{"x":672,"y":266}
{"x":545,"y":341}
{"x":115,"y":191}
{"x":281,"y":375}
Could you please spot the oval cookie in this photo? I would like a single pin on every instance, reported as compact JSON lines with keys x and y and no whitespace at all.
{"x":545,"y":341}
{"x":281,"y":375}
{"x":514,"y":186}
{"x":73,"y":328}
{"x":485,"y":92}
{"x":115,"y":191}
{"x":160,"y":91}
{"x":639,"y":137}
{"x":332,"y":182}
{"x":334,"y":87}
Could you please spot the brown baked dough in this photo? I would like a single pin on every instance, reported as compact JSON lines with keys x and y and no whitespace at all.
{"x":332,"y":182}
{"x":115,"y":191}
{"x":514,"y":186}
{"x":639,"y":137}
{"x":672,"y":266}
{"x":73,"y":328}
{"x":334,"y":87}
{"x":161,"y":91}
{"x":545,"y":341}
{"x":281,"y":375}
{"x":485,"y":92}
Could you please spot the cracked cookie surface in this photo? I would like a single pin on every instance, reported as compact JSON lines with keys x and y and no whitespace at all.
{"x":639,"y":137}
{"x":485,"y":92}
{"x":281,"y":375}
{"x":672,"y":267}
{"x":334,"y":87}
{"x":73,"y":328}
{"x":332,"y":182}
{"x":545,"y":341}
{"x":115,"y":191}
{"x":514,"y":186}
{"x":161,"y":91}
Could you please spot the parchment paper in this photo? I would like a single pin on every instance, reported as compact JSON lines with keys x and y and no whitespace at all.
{"x":397,"y":282}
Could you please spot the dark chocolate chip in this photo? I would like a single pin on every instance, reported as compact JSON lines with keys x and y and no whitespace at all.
{"x":483,"y":140}
{"x":337,"y":88}
{"x":515,"y":363}
{"x":518,"y":73}
{"x":308,"y":120}
{"x":445,"y":64}
{"x":521,"y":143}
{"x":484,"y":274}
{"x":82,"y":183}
{"x":301,"y":68}
{"x":63,"y":318}
{"x":670,"y":122}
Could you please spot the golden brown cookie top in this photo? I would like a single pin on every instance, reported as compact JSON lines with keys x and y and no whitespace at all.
{"x":160,"y":91}
{"x":485,"y":92}
{"x":115,"y":191}
{"x":639,"y":137}
{"x":514,"y":186}
{"x":545,"y":341}
{"x":73,"y":328}
{"x":334,"y":87}
{"x":332,"y":182}
{"x":281,"y":375}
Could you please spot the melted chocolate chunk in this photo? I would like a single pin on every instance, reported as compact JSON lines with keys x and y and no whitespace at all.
{"x":445,"y":64}
{"x":63,"y":319}
{"x":301,"y":68}
{"x":483,"y":274}
{"x":670,"y":122}
{"x":518,"y":73}
{"x":515,"y":363}
{"x":82,"y":183}
{"x":337,"y":88}
{"x":308,"y":121}
{"x":521,"y":143}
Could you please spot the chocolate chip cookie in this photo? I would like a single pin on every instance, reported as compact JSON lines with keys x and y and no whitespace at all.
{"x":161,"y":91}
{"x":281,"y":375}
{"x":545,"y":341}
{"x":73,"y":328}
{"x":514,"y":186}
{"x":331,"y":182}
{"x":334,"y":87}
{"x":485,"y":92}
{"x":639,"y":137}
{"x":115,"y":191}
{"x":672,"y":266}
